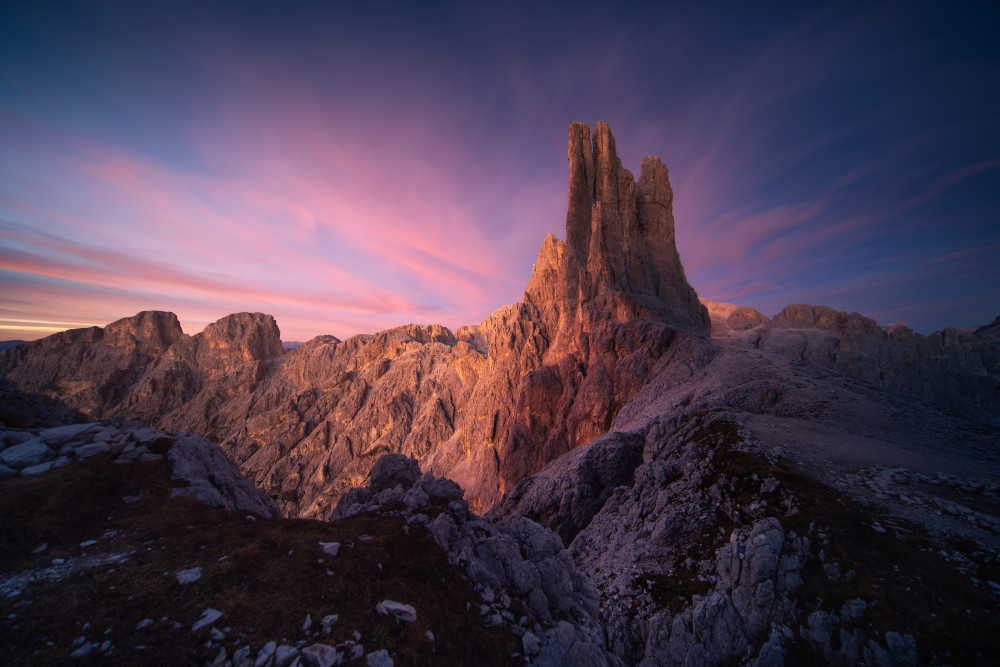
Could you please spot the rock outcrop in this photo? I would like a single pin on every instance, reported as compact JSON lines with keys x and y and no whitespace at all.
{"x":612,"y":299}
{"x":514,"y":562}
{"x":620,"y":252}
{"x":956,"y":371}
{"x":710,"y":548}
{"x":198,"y":468}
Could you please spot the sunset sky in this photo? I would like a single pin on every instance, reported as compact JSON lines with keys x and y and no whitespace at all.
{"x":352,"y":170}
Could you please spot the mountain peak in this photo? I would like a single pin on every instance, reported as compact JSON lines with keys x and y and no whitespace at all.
{"x":620,"y":235}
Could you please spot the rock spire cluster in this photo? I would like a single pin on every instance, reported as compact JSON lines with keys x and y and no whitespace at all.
{"x":620,"y":247}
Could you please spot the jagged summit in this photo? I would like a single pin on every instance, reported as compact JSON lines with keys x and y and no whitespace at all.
{"x":620,"y":245}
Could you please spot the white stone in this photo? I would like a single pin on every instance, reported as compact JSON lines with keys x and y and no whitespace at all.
{"x":61,"y":434}
{"x":208,"y":617}
{"x":266,"y":653}
{"x":92,"y":449}
{"x":330,"y":548}
{"x":26,"y":454}
{"x":187,"y":576}
{"x":285,"y":655}
{"x":84,"y":650}
{"x":37,"y":469}
{"x":379,"y":659}
{"x":403,"y":612}
{"x":321,"y":655}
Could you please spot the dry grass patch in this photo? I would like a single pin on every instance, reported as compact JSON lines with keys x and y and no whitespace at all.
{"x":265,"y":575}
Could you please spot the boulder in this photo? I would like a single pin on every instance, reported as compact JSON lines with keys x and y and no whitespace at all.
{"x":403,"y":612}
{"x":392,"y":470}
{"x":27,"y":454}
{"x":213,"y":478}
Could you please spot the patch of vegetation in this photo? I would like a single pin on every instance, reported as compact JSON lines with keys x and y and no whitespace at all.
{"x":673,"y":591}
{"x":265,"y":575}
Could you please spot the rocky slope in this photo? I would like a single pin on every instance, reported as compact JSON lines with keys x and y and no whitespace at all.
{"x":126,"y":545}
{"x":784,"y":532}
{"x":956,"y":371}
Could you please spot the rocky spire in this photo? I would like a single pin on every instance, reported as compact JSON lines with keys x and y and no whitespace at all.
{"x":581,"y":186}
{"x":622,"y":234}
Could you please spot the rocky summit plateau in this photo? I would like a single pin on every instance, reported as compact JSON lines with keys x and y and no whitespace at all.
{"x":610,"y":472}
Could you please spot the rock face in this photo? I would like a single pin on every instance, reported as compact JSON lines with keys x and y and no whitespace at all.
{"x":707,"y":548}
{"x":612,"y":299}
{"x":515,"y":563}
{"x":486,"y":405}
{"x":956,"y":371}
{"x":619,"y":237}
{"x":198,"y":468}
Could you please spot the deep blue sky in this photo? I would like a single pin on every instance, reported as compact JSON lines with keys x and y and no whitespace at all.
{"x":352,"y":170}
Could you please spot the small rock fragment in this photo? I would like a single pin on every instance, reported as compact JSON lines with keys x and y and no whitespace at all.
{"x":321,"y":655}
{"x":208,"y":617}
{"x":530,"y":643}
{"x":401,"y":611}
{"x":187,"y":576}
{"x":84,"y":650}
{"x":285,"y":655}
{"x":379,"y":659}
{"x":266,"y":653}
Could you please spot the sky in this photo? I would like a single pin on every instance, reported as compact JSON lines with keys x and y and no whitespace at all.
{"x":348,"y":170}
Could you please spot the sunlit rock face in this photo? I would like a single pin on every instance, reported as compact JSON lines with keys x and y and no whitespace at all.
{"x":620,"y":236}
{"x":612,"y":299}
{"x":484,"y":406}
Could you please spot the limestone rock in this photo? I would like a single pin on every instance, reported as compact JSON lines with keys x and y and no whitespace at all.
{"x":321,"y":655}
{"x":954,"y":370}
{"x":400,"y":610}
{"x":27,"y":454}
{"x":566,"y":494}
{"x":508,"y":558}
{"x":213,"y":477}
{"x":392,"y":470}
